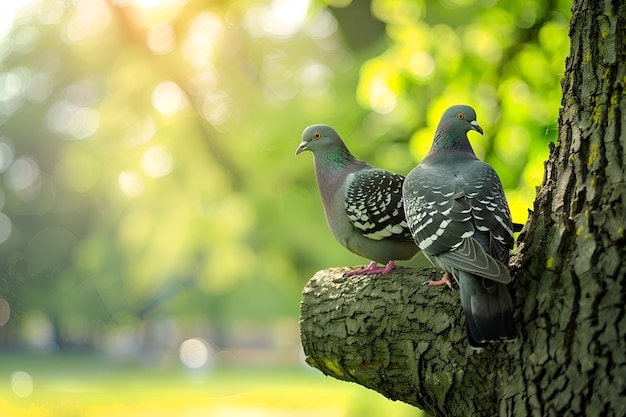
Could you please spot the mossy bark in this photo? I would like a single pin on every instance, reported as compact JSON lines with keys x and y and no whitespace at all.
{"x":408,"y":342}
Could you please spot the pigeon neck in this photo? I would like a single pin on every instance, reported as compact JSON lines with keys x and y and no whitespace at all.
{"x":334,"y":159}
{"x":451,"y":141}
{"x":330,"y":170}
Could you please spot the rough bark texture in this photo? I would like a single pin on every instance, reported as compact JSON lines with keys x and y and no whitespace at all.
{"x":408,"y":342}
{"x":572,"y":259}
{"x":404,"y":340}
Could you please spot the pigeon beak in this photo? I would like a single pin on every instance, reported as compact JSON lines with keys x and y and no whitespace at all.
{"x":301,"y":148}
{"x":476,"y":126}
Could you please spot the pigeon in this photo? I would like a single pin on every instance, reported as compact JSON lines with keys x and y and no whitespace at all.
{"x":459,"y":217}
{"x":362,"y":203}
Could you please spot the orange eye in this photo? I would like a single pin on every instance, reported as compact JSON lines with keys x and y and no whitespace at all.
{"x":461,"y":116}
{"x":316,"y":135}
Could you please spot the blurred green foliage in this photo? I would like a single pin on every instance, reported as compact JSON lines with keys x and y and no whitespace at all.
{"x":147,"y":147}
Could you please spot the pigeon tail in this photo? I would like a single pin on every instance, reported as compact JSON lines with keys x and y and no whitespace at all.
{"x":488,"y":310}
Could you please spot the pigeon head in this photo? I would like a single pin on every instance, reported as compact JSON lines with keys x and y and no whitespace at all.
{"x":319,"y":137}
{"x":453,"y":127}
{"x":459,"y":119}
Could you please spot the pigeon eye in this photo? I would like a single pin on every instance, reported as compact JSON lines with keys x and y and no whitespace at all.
{"x":316,"y":135}
{"x":461,"y":116}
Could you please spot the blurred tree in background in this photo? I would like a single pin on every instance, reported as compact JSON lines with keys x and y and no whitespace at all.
{"x":147,"y":146}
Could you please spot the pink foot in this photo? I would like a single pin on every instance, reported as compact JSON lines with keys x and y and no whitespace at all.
{"x":443,"y":281}
{"x":373,"y":268}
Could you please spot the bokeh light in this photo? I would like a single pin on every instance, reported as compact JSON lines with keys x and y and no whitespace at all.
{"x":161,"y":38}
{"x":37,"y":332}
{"x":168,"y":98}
{"x":205,"y":33}
{"x":6,"y":228}
{"x":382,"y":99}
{"x":422,"y":65}
{"x":23,"y":173}
{"x":7,"y":153}
{"x":11,"y":84}
{"x":140,"y":132}
{"x":149,"y":3}
{"x":21,"y":384}
{"x":216,"y":108}
{"x":195,"y":353}
{"x":315,"y":79}
{"x":73,"y":120}
{"x":279,"y":20}
{"x":89,"y":18}
{"x":157,"y":161}
{"x":5,"y":311}
{"x":130,"y":183}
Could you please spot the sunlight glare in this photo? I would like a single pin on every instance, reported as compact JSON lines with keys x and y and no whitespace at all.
{"x":10,"y":11}
{"x":148,"y":3}
{"x":150,"y":13}
{"x":280,"y":20}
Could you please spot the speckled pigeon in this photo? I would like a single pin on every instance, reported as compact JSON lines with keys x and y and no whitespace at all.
{"x":459,"y":217}
{"x":362,"y":203}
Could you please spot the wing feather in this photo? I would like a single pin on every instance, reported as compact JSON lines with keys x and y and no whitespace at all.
{"x":373,"y":204}
{"x":460,"y":218}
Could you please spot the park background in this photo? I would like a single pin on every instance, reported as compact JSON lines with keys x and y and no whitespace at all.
{"x":156,"y":228}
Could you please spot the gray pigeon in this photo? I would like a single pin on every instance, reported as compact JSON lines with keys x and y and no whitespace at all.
{"x":363,"y":204}
{"x":459,"y":217}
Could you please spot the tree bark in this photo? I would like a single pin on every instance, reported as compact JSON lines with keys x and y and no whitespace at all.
{"x":408,"y":342}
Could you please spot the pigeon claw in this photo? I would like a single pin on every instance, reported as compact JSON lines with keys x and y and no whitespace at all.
{"x":445,"y":280}
{"x":373,"y":269}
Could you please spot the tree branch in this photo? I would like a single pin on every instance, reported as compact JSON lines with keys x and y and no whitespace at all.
{"x":406,"y":341}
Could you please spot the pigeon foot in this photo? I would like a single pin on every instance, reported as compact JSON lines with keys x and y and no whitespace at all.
{"x":373,"y":269}
{"x":446,"y":280}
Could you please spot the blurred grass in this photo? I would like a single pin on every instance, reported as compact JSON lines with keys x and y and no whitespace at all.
{"x":86,"y":386}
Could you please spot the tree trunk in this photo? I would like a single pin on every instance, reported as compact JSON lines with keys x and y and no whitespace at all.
{"x":408,"y":342}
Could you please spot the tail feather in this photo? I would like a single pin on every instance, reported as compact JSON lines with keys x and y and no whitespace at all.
{"x":488,"y":309}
